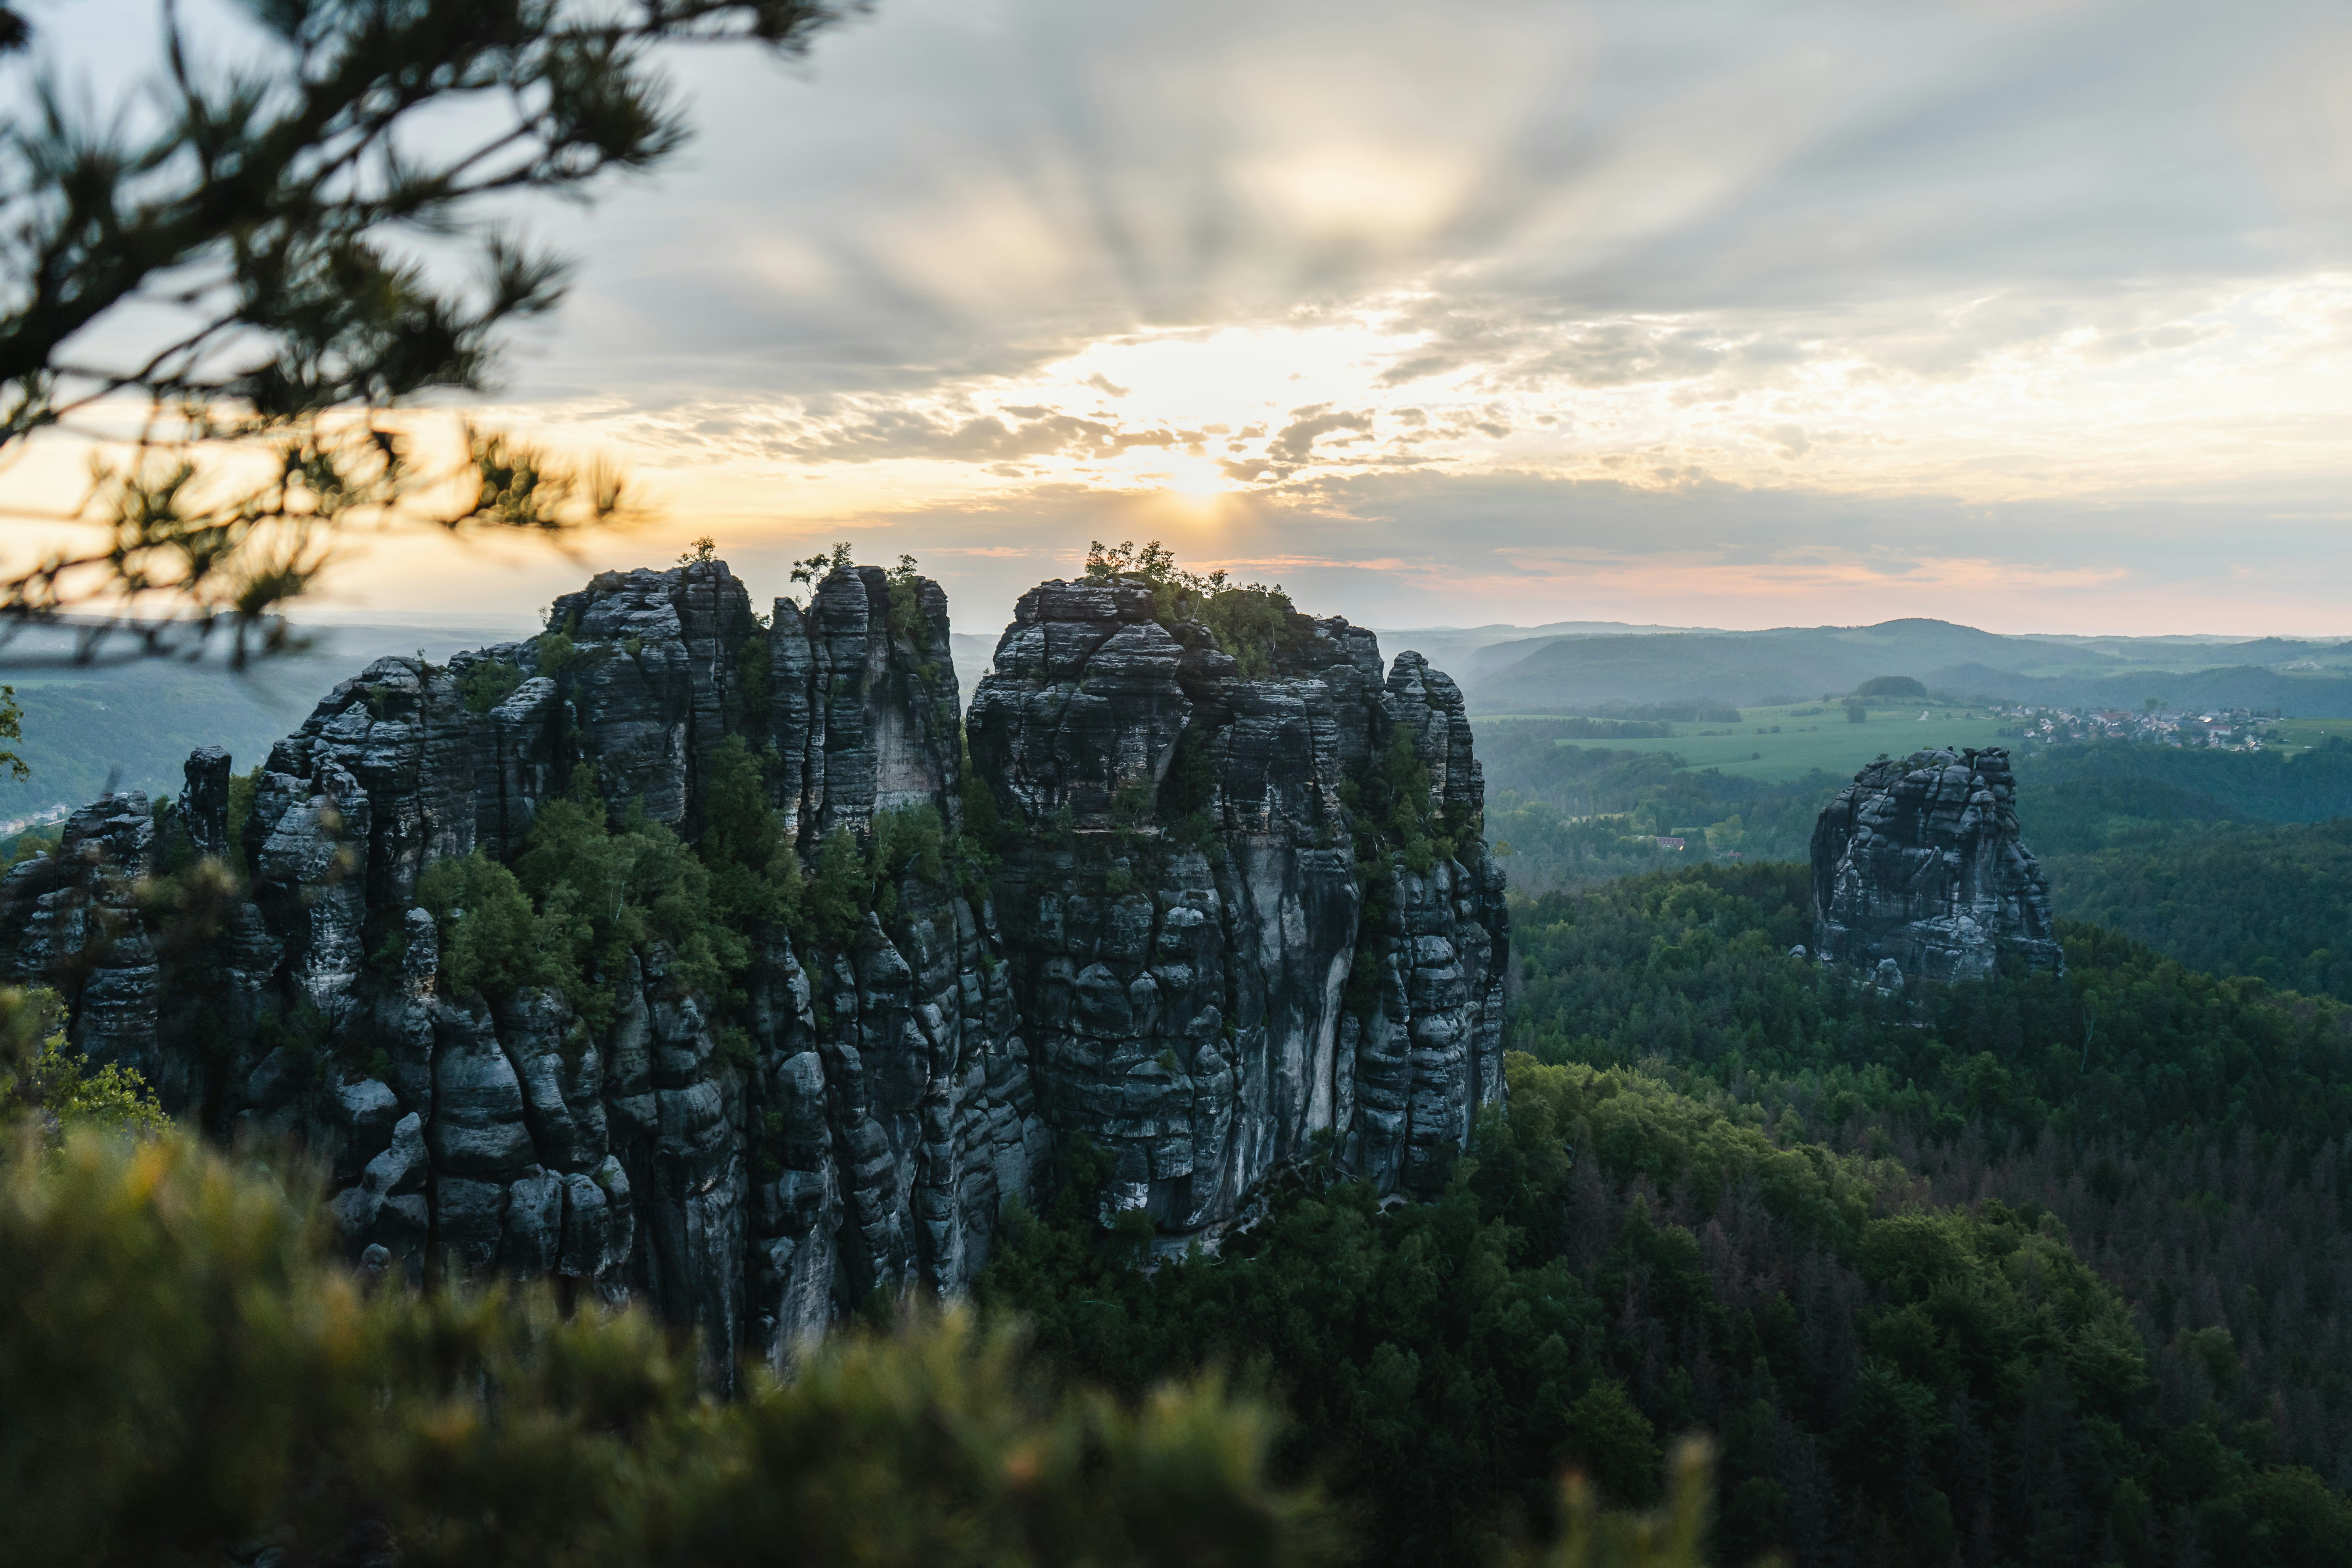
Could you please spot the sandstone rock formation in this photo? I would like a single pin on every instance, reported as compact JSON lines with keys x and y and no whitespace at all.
{"x":1214,"y":923}
{"x":1917,"y":869}
{"x":1185,"y":932}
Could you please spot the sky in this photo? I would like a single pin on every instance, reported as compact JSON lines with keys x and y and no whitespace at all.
{"x":2032,"y":316}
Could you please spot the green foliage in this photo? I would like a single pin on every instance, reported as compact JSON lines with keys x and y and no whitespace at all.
{"x":43,"y":1077}
{"x":1614,"y":1260}
{"x":1857,"y":713}
{"x":1392,"y":814}
{"x":242,"y":788}
{"x":822,"y":566}
{"x":1573,"y":817}
{"x":1191,"y":781}
{"x":906,"y":614}
{"x":1253,"y":622}
{"x":757,"y":687}
{"x":492,"y":941}
{"x":839,"y":892}
{"x":983,"y":823}
{"x":908,"y":841}
{"x":605,"y":892}
{"x":2189,"y":1124}
{"x":555,"y":654}
{"x":32,"y":841}
{"x":489,"y":682}
{"x":849,"y":882}
{"x":584,"y":895}
{"x":185,"y":1368}
{"x":755,"y":878}
{"x":2251,"y":787}
{"x":12,"y":728}
{"x":1694,"y":968}
{"x":2270,"y":901}
{"x":701,"y":553}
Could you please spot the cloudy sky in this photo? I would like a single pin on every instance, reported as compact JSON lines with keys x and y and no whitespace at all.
{"x":2036,"y":316}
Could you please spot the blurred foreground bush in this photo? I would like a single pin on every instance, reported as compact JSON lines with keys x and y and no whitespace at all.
{"x":185,"y":1372}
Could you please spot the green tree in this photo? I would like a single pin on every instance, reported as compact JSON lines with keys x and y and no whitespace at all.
{"x":1251,"y":622}
{"x":492,"y":938}
{"x":45,"y":1078}
{"x":755,"y":875}
{"x":12,"y":728}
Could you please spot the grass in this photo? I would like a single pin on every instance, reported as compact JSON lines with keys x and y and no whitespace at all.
{"x":1818,"y":735}
{"x":2301,"y":735}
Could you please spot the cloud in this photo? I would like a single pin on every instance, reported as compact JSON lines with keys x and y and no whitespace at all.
{"x":2056,"y":287}
{"x":1295,"y":443}
{"x":878,"y":433}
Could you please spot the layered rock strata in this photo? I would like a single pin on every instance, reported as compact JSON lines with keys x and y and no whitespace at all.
{"x":1918,"y":867}
{"x":1210,"y":979}
{"x":1198,"y":948}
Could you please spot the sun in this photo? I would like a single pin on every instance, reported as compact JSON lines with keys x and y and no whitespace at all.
{"x":1198,"y":478}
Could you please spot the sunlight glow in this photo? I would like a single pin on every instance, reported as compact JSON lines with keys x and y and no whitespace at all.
{"x":1198,"y":478}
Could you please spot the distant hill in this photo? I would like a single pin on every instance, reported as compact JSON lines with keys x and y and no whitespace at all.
{"x":2303,"y":695}
{"x":1564,"y":674}
{"x":1733,"y":667}
{"x":134,"y":724}
{"x":1467,"y":652}
{"x":975,"y":654}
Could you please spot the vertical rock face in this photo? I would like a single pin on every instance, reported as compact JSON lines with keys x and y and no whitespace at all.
{"x":1195,"y":933}
{"x":1917,"y":864}
{"x":1219,"y":964}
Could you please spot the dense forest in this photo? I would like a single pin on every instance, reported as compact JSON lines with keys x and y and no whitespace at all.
{"x":2248,"y":787}
{"x":1566,"y":816}
{"x":2186,"y":1131}
{"x":2037,"y":1270}
{"x":2258,"y":900}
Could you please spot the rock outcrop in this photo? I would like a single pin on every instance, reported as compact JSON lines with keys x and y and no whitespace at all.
{"x":1919,"y":871}
{"x":1212,"y":922}
{"x":1210,"y":979}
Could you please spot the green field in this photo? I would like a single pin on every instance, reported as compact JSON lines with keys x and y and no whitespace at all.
{"x":2302,"y":734}
{"x":1816,"y":735}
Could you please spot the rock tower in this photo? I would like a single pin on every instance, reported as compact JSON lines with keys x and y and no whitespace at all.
{"x":1917,"y":864}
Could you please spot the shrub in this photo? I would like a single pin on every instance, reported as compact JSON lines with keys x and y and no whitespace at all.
{"x":183,"y":1368}
{"x":489,"y":682}
{"x":43,"y":1077}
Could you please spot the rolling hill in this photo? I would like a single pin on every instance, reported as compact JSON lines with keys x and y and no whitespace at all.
{"x":1585,"y":673}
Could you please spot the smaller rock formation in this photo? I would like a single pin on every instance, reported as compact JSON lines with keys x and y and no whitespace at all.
{"x":1918,"y":867}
